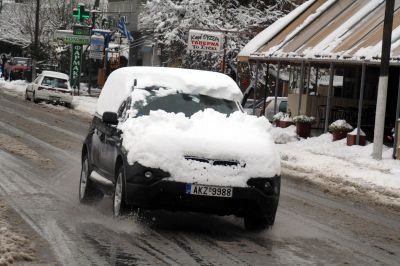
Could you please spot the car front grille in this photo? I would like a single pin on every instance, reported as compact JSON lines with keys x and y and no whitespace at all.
{"x":215,"y":162}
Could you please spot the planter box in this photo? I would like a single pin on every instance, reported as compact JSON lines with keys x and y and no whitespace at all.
{"x":338,"y":135}
{"x":303,"y":129}
{"x":283,"y":124}
{"x":352,"y":140}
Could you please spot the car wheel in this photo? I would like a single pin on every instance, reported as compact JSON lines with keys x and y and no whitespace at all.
{"x":87,"y":189}
{"x":119,"y":205}
{"x":255,"y":223}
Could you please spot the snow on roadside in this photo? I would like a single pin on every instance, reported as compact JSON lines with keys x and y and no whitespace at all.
{"x":84,"y":104}
{"x":340,"y":167}
{"x":284,"y":135}
{"x":14,"y":247}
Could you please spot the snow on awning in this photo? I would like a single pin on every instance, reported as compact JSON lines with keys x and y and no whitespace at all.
{"x":267,"y":34}
{"x":344,"y":30}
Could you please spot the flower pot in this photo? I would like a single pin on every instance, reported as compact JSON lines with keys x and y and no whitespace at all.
{"x":283,"y":124}
{"x":338,"y":135}
{"x":303,"y":129}
{"x":352,"y":140}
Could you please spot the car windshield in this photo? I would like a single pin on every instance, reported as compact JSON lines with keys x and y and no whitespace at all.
{"x":55,"y":82}
{"x":184,"y":103}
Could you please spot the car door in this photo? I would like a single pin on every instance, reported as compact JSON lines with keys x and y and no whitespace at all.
{"x":108,"y":152}
{"x":96,"y":143}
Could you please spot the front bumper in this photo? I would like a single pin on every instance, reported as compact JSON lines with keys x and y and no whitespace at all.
{"x":172,"y":195}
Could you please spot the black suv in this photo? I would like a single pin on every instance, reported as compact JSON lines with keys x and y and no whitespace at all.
{"x":106,"y":168}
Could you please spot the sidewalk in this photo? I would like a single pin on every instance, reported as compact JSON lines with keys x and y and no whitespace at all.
{"x":334,"y":166}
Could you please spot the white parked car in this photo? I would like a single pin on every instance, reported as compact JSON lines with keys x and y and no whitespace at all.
{"x":52,"y":87}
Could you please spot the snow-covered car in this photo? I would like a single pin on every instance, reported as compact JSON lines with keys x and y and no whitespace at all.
{"x":50,"y":86}
{"x":177,"y":139}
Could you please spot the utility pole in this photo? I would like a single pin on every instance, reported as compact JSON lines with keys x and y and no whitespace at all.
{"x":383,"y":81}
{"x":36,"y":43}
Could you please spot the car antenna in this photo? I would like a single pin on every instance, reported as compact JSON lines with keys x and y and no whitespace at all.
{"x":134,"y":84}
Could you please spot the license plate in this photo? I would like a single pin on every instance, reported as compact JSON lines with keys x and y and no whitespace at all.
{"x":211,"y":191}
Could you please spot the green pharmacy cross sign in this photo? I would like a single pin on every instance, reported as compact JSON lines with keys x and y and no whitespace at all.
{"x":80,"y":14}
{"x":76,"y":60}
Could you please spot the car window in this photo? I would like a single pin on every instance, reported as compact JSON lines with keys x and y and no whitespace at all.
{"x":55,"y":82}
{"x":283,"y":107}
{"x":187,"y":104}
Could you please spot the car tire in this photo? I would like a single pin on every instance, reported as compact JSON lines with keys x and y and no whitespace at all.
{"x":88,"y":192}
{"x":119,"y":205}
{"x":68,"y":105}
{"x":255,"y":223}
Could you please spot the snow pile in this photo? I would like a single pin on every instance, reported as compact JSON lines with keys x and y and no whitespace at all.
{"x":284,"y":135}
{"x":14,"y":247}
{"x":120,"y":83}
{"x":335,"y":164}
{"x":85,"y":104}
{"x":162,"y":140}
{"x":15,"y":87}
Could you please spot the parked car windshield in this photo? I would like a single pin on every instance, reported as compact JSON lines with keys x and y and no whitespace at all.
{"x":55,"y":82}
{"x":185,"y":103}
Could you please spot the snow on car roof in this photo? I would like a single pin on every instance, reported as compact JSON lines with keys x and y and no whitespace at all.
{"x":119,"y":84}
{"x":55,"y":74}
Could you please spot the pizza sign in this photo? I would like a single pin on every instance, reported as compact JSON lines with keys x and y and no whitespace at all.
{"x":206,"y":41}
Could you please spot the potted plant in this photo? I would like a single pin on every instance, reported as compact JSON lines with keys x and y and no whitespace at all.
{"x":352,"y":138}
{"x":282,"y":120}
{"x":303,"y":125}
{"x":339,"y":129}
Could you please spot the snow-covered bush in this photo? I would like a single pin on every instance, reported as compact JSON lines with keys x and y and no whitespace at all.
{"x":304,"y":119}
{"x":340,"y":126}
{"x":282,"y":117}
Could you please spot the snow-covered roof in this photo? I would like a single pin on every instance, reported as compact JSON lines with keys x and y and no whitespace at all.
{"x":329,"y":29}
{"x":55,"y":74}
{"x":119,"y":84}
{"x":270,"y":32}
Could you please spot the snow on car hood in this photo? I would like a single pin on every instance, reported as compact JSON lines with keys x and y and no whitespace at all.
{"x":187,"y":147}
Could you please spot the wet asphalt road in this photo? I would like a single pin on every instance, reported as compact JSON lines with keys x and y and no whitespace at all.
{"x":40,"y":181}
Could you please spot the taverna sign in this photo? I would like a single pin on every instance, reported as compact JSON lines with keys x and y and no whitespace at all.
{"x":206,"y":41}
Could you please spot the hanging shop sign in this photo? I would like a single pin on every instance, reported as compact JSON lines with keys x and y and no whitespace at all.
{"x":206,"y":41}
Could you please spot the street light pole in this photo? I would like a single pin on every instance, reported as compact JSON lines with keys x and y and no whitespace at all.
{"x":36,"y":43}
{"x":383,"y":81}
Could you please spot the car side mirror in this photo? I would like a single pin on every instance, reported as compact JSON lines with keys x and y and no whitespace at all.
{"x":110,"y":118}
